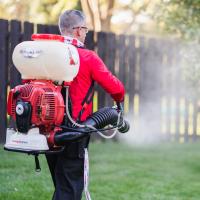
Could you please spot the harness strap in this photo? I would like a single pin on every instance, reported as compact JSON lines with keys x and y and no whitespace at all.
{"x":37,"y":163}
{"x":87,"y":100}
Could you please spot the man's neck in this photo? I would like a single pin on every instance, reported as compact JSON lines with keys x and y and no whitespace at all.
{"x":74,"y":41}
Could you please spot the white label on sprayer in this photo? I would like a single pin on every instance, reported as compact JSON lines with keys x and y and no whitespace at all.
{"x":30,"y":53}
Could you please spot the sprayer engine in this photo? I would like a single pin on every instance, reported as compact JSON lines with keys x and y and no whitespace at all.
{"x":37,"y":103}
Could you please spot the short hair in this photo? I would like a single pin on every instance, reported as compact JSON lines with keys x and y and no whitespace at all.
{"x":70,"y":19}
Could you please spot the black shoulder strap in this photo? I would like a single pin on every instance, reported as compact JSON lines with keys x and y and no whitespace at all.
{"x":87,"y":100}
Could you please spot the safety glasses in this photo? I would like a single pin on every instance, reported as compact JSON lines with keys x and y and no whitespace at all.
{"x":83,"y":27}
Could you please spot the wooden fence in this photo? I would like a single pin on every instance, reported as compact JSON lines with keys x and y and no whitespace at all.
{"x":148,"y":67}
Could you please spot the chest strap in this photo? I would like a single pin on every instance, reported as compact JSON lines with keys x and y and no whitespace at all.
{"x":87,"y":100}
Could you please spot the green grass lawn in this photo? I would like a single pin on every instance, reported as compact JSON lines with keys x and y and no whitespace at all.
{"x":117,"y":172}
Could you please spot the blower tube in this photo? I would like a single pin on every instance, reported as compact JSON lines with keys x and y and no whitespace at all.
{"x":100,"y":119}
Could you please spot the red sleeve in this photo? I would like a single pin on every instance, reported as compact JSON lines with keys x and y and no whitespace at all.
{"x":106,"y":79}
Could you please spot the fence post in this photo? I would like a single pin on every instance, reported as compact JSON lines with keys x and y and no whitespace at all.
{"x":194,"y":123}
{"x":142,"y":66}
{"x":89,"y":40}
{"x":41,"y":28}
{"x":28,"y":31}
{"x":122,"y":70}
{"x":176,"y":89}
{"x":110,"y":49}
{"x":101,"y":52}
{"x":53,"y":29}
{"x":166,"y":85}
{"x":150,"y":86}
{"x":3,"y":77}
{"x":15,"y":38}
{"x":132,"y":72}
{"x":122,"y":59}
{"x":186,"y":121}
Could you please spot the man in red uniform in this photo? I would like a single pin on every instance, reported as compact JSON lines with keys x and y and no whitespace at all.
{"x":67,"y":168}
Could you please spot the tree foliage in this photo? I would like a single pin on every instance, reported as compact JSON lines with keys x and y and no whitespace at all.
{"x":12,"y":9}
{"x":99,"y":13}
{"x":175,"y":16}
{"x":37,"y":11}
{"x":181,"y":17}
{"x":102,"y":15}
{"x":48,"y":11}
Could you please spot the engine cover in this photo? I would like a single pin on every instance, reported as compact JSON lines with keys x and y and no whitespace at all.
{"x":39,"y":103}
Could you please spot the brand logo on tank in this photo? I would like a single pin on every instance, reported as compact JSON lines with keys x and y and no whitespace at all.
{"x":30,"y":53}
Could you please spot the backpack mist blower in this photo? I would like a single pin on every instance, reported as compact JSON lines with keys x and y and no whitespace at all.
{"x":37,"y":106}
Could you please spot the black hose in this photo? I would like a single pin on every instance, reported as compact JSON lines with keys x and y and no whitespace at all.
{"x":103,"y":117}
{"x":100,"y":119}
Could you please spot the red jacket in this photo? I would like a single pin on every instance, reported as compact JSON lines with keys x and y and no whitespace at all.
{"x":92,"y":68}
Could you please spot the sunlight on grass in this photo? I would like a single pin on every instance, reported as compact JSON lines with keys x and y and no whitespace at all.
{"x":117,"y":172}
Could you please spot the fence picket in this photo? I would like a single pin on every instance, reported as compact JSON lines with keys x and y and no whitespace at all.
{"x":132,"y":72}
{"x":110,"y":49}
{"x":28,"y":31}
{"x":3,"y":77}
{"x":101,"y":38}
{"x":15,"y":38}
{"x":41,"y":28}
{"x":53,"y":29}
{"x":147,"y":67}
{"x":89,"y":40}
